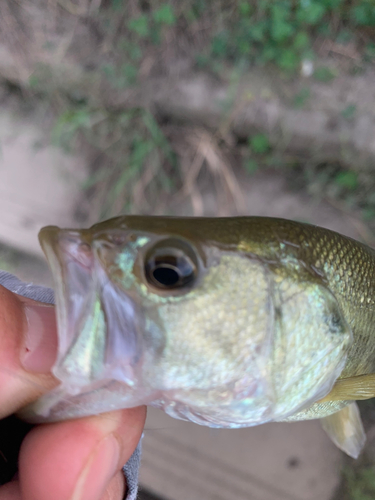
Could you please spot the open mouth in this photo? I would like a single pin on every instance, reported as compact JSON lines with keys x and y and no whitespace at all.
{"x":97,"y":321}
{"x":99,"y":351}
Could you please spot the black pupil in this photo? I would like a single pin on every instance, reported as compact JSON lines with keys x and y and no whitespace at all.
{"x":166,"y":276}
{"x":170,"y":270}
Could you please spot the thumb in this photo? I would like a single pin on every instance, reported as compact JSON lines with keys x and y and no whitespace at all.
{"x":28,"y":346}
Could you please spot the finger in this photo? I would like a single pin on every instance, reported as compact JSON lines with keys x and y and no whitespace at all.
{"x":77,"y":459}
{"x":28,"y":341}
{"x":11,"y":491}
{"x":116,"y":488}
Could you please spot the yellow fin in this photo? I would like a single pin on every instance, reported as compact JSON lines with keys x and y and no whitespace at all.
{"x":346,"y":430}
{"x":352,"y":388}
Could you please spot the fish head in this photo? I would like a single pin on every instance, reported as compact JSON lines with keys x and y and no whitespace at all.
{"x":170,"y":312}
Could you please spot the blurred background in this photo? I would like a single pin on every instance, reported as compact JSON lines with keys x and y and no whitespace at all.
{"x":195,"y":107}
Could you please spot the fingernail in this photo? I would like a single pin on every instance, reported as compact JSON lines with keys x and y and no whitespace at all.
{"x":40,"y":347}
{"x":99,"y":470}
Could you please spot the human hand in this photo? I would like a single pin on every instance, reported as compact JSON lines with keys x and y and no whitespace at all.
{"x":77,"y":459}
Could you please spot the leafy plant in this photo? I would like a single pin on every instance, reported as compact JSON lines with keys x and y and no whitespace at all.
{"x":349,"y":112}
{"x":281,"y":32}
{"x":251,"y":165}
{"x":121,"y":76}
{"x":347,"y":179}
{"x":164,"y":15}
{"x":138,"y":156}
{"x":363,"y":13}
{"x":140,"y":26}
{"x":260,"y":32}
{"x":324,"y":74}
{"x":301,"y":97}
{"x":240,"y":32}
{"x":259,"y":143}
{"x":69,"y":123}
{"x":360,"y":484}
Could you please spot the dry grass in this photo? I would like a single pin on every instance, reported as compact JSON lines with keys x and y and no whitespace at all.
{"x":93,"y":32}
{"x":200,"y":150}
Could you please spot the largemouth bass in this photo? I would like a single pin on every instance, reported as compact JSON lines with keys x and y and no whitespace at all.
{"x":226,"y":322}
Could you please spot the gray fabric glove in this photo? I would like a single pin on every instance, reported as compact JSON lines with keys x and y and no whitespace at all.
{"x":43,"y":294}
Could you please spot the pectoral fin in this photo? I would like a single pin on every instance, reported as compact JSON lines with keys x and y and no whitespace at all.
{"x":352,"y":388}
{"x":346,"y":430}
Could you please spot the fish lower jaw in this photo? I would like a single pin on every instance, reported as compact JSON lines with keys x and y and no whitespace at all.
{"x":229,"y":416}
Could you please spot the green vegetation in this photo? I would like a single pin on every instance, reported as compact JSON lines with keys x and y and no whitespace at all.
{"x":136,"y":160}
{"x":259,"y":32}
{"x":358,"y":483}
{"x":225,"y":38}
{"x":324,"y":74}
{"x":347,"y":179}
{"x":346,"y":189}
{"x":349,"y":112}
{"x":301,"y":97}
{"x":259,"y":143}
{"x":283,"y":32}
{"x":216,"y":33}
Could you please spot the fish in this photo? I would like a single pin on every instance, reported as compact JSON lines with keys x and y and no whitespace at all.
{"x":225,"y":322}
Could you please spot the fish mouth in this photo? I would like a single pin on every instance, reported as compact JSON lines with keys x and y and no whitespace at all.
{"x":98,"y":323}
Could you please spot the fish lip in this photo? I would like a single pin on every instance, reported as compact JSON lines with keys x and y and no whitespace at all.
{"x":55,"y":244}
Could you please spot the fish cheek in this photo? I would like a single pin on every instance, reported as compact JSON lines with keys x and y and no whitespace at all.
{"x":217,"y":333}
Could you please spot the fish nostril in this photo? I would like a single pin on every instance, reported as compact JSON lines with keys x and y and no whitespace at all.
{"x":117,"y":239}
{"x":110,"y":238}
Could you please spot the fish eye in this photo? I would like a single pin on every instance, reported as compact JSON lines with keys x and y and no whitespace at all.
{"x":171,"y":265}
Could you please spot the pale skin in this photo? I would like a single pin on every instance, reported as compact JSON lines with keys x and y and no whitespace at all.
{"x":73,"y":460}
